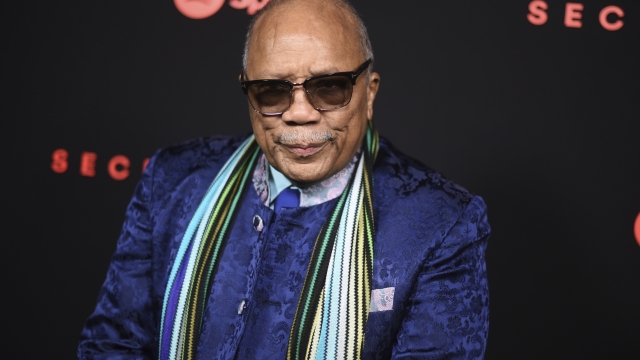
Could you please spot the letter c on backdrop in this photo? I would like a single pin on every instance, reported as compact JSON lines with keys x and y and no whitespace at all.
{"x":198,"y":9}
{"x":114,"y":171}
{"x":611,"y":26}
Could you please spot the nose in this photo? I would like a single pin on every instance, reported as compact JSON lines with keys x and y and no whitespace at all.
{"x":300,"y":111}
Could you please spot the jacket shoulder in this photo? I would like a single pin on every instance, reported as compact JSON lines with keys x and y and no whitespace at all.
{"x":199,"y":158}
{"x":404,"y":177}
{"x":419,"y":212}
{"x":198,"y":152}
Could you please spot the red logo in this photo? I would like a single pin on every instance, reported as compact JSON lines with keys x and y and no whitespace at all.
{"x":637,"y":229}
{"x":252,"y":6}
{"x":609,"y":17}
{"x":198,"y":9}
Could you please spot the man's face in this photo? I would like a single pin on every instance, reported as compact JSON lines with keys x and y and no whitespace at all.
{"x":295,"y":43}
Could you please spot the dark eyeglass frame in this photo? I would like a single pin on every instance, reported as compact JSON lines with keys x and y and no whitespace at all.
{"x":351,"y":75}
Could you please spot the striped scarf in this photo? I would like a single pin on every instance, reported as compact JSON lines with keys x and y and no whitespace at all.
{"x":334,"y":303}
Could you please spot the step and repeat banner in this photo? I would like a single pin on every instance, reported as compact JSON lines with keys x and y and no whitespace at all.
{"x":534,"y":105}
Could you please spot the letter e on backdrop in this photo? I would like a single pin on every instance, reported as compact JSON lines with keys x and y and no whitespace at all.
{"x":88,"y":164}
{"x":573,"y":14}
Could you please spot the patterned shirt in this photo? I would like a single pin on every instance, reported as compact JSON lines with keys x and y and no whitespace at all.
{"x":269,"y":182}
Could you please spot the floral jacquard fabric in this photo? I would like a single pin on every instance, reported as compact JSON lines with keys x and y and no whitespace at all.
{"x":429,"y":283}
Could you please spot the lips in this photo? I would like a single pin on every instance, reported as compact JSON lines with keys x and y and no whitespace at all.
{"x":304,"y":150}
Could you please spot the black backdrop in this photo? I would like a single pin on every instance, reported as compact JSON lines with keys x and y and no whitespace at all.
{"x":542,"y":121}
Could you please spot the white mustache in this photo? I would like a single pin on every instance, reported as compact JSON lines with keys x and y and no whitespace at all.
{"x":306,"y":137}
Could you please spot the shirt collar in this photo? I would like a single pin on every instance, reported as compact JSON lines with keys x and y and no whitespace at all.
{"x":269,"y":182}
{"x":277,"y":183}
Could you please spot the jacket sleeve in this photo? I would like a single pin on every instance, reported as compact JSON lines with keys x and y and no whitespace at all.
{"x":447,"y":315}
{"x":123,"y":325}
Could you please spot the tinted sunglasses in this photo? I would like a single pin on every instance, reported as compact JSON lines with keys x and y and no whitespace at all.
{"x":325,"y":92}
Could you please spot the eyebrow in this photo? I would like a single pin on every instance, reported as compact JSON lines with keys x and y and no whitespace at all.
{"x":312,"y":73}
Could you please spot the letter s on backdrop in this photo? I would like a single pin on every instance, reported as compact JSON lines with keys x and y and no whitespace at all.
{"x":537,"y":14}
{"x":59,"y":163}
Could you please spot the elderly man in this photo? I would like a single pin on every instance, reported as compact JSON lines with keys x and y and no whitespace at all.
{"x":311,"y":239}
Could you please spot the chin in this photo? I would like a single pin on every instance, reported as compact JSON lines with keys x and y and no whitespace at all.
{"x":301,"y":176}
{"x":306,"y":179}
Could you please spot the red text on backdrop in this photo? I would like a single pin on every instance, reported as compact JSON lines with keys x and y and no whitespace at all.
{"x":573,"y":15}
{"x":117,"y":167}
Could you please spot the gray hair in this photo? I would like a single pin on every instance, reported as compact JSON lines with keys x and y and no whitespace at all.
{"x":365,"y":43}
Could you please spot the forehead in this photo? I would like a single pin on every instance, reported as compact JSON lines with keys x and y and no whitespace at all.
{"x":299,"y":41}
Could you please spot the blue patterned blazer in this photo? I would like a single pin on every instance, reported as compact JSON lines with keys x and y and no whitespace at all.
{"x":430,"y":294}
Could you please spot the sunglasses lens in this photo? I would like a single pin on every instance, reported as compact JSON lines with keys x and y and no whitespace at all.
{"x":270,"y":96}
{"x":329,"y":92}
{"x":273,"y":97}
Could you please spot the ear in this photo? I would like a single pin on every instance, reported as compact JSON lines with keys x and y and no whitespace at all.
{"x":372,"y":90}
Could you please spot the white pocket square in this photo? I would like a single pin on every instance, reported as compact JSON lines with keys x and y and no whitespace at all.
{"x":382,"y":299}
